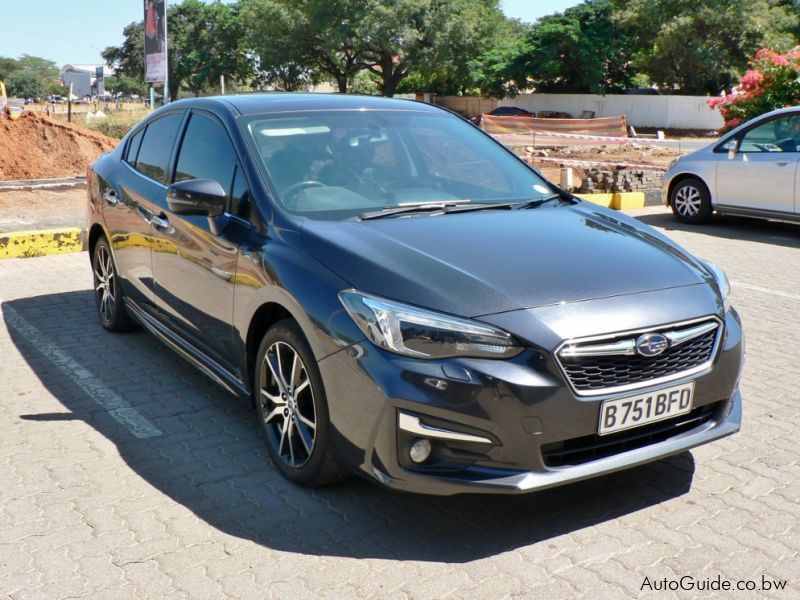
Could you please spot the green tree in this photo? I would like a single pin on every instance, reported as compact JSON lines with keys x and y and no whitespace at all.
{"x":462,"y":31}
{"x":122,"y":84}
{"x":24,"y":84}
{"x":45,"y":69}
{"x":128,"y":58}
{"x":579,"y":50}
{"x":702,"y":46}
{"x":205,"y":41}
{"x":296,"y":42}
{"x":7,"y":66}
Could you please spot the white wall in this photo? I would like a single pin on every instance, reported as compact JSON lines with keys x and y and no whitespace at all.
{"x":664,"y":112}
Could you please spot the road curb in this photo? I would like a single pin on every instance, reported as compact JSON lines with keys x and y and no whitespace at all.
{"x":618,"y":201}
{"x":42,"y":242}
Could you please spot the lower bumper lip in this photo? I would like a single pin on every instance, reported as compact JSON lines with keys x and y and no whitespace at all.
{"x":727,"y":424}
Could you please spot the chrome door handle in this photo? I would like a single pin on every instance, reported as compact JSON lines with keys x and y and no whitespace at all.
{"x":110,"y":196}
{"x":160,"y":222}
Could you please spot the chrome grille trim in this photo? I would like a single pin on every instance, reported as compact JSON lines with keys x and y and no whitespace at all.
{"x":677,"y":333}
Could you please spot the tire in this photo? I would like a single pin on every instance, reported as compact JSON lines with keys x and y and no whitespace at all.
{"x":108,"y":296}
{"x":292,"y":407}
{"x":691,"y":202}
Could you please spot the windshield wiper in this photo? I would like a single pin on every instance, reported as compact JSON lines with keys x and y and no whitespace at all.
{"x":405,"y":209}
{"x":455,"y":207}
{"x":536,"y":201}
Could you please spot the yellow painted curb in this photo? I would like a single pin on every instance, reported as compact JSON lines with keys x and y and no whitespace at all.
{"x":628,"y":200}
{"x":42,"y":242}
{"x":618,"y":201}
{"x":601,"y":199}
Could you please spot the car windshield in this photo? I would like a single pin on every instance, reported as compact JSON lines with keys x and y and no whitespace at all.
{"x":339,"y":164}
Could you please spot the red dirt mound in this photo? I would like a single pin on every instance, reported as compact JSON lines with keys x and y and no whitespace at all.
{"x":37,"y":147}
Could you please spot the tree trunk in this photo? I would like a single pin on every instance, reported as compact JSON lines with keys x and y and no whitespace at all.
{"x":341,"y":81}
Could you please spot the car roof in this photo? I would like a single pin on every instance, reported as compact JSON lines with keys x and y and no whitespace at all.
{"x":274,"y":102}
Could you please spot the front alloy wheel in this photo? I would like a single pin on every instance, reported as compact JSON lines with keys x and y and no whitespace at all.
{"x":290,"y":415}
{"x":292,"y":407}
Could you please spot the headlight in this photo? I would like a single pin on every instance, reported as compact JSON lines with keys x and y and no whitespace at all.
{"x":674,"y":162}
{"x":421,"y":333}
{"x":722,"y":283}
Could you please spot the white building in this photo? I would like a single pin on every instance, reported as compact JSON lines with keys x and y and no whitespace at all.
{"x":84,"y":78}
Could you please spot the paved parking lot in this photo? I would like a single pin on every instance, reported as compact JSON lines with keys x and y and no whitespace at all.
{"x":124,"y":473}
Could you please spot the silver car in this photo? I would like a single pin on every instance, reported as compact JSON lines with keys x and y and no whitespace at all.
{"x":750,"y":171}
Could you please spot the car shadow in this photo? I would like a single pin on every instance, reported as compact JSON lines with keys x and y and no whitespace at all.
{"x":210,"y":459}
{"x":733,"y":228}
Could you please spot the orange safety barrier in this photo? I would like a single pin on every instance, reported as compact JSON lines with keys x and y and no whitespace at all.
{"x":521,"y":125}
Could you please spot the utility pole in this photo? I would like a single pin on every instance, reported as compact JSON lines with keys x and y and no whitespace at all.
{"x":166,"y":54}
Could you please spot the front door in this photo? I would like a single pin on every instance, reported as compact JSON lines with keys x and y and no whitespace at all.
{"x":195,"y":265}
{"x":761,"y":175}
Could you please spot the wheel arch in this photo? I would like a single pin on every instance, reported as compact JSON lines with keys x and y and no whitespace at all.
{"x":683,"y":177}
{"x":263,"y":318}
{"x":95,"y":233}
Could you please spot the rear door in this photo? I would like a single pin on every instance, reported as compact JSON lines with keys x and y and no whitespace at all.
{"x":761,"y":176}
{"x":128,"y":205}
{"x":194,"y":262}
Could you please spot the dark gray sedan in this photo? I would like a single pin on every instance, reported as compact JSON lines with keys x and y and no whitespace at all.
{"x":401,"y":297}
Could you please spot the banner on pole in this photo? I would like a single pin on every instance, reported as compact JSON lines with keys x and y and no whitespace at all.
{"x":155,"y":40}
{"x":100,"y":82}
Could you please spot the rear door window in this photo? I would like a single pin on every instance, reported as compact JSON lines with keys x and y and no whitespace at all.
{"x":156,"y":147}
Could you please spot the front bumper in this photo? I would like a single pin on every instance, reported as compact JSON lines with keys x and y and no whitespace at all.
{"x":507,"y":411}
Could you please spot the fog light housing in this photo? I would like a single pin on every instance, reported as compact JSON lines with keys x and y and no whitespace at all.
{"x":420,"y":451}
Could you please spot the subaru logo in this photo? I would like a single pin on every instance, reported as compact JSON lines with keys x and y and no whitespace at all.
{"x":651,"y":344}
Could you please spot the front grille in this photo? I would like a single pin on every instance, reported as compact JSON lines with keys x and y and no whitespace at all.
{"x":606,"y":371}
{"x":577,"y":451}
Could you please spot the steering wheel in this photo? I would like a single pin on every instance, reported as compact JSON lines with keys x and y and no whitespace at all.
{"x":290,"y":193}
{"x":766,"y":147}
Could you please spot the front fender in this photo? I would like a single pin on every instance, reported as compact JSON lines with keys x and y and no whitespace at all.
{"x":282,"y":273}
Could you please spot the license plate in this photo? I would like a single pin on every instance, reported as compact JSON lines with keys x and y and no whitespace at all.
{"x":633,"y":411}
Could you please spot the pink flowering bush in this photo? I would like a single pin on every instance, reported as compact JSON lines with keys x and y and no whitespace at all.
{"x":773,"y":81}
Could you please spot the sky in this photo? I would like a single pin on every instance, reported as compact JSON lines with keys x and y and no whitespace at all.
{"x":76,"y":32}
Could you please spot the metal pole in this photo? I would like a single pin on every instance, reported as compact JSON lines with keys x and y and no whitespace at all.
{"x":166,"y":54}
{"x":222,"y":84}
{"x":69,"y":103}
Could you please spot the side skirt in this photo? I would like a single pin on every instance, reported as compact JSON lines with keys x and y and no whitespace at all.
{"x":735,"y":211}
{"x":206,"y":365}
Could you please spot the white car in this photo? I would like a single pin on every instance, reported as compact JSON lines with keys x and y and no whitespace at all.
{"x":750,"y":171}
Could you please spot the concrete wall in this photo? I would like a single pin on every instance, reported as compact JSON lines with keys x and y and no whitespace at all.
{"x":663,"y":112}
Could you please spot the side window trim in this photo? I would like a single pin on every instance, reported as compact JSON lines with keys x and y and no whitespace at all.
{"x":131,"y":138}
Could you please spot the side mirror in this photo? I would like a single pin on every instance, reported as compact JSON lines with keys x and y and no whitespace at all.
{"x":732,"y":146}
{"x":204,"y":197}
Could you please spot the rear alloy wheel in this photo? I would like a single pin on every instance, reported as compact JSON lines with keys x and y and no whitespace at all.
{"x":108,"y":290}
{"x":690,"y":201}
{"x":292,"y":408}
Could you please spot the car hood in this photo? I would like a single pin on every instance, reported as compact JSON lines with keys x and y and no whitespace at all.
{"x":486,"y":262}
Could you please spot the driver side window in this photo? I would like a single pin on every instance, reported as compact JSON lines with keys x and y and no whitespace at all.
{"x":777,"y":135}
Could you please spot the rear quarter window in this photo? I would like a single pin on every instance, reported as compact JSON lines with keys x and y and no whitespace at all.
{"x":156,"y":147}
{"x":133,"y":148}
